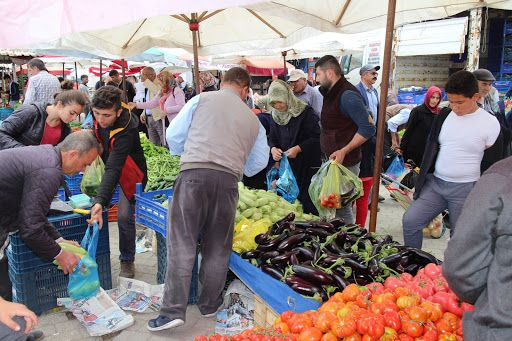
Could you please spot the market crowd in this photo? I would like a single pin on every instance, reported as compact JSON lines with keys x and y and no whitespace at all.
{"x":225,"y":134}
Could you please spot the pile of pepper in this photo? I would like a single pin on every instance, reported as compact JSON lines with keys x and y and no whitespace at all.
{"x":319,"y":258}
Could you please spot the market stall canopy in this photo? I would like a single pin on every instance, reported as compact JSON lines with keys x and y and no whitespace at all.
{"x":28,"y":22}
{"x":278,"y":24}
{"x":268,"y":66}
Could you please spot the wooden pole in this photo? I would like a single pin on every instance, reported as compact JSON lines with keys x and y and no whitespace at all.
{"x":284,"y":53}
{"x":382,"y":113}
{"x":196,"y":53}
{"x":63,"y":75}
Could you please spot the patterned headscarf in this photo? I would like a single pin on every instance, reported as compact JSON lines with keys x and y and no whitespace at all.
{"x":279,"y":91}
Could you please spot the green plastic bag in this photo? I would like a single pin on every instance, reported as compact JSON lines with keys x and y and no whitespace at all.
{"x":334,"y":187}
{"x":92,"y":177}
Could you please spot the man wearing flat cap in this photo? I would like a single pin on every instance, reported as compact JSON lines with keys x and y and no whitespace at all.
{"x":302,"y":90}
{"x":370,"y":95}
{"x":485,"y":80}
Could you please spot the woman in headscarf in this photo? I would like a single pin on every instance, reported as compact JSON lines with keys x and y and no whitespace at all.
{"x":420,"y":121}
{"x":294,"y":130}
{"x":170,"y":99}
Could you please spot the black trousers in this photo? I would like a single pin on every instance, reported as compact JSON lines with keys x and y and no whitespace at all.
{"x":5,"y":281}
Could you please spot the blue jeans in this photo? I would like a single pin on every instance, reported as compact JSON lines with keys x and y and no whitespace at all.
{"x":436,"y":196}
{"x":126,"y":225}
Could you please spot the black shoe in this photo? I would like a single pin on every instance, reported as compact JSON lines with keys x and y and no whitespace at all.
{"x":163,"y":322}
{"x":381,"y":198}
{"x":35,"y":335}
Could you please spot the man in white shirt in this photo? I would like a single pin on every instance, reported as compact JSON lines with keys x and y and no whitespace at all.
{"x":83,"y":86}
{"x":457,"y":151}
{"x":152,"y":118}
{"x":42,"y":86}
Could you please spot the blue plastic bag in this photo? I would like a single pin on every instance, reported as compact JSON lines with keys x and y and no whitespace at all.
{"x":84,"y":282}
{"x":397,"y":168}
{"x":286,"y":184}
{"x":88,"y":122}
{"x":272,"y":175}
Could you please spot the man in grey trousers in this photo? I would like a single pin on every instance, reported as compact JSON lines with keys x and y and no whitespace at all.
{"x":219,"y":139}
{"x":458,"y":146}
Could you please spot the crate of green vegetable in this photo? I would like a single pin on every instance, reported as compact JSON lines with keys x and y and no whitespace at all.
{"x":149,"y":210}
{"x":163,"y":168}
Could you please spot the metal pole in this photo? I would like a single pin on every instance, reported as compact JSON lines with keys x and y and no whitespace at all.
{"x":101,"y":71}
{"x":76,"y":77}
{"x":124,"y":80}
{"x":196,"y":53}
{"x":382,"y":113}
{"x":63,"y":75}
{"x":284,"y":53}
{"x":475,"y":32}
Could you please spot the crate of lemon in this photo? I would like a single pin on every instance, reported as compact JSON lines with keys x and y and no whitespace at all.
{"x":256,"y":211}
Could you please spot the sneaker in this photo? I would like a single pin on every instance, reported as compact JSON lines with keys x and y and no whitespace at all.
{"x":35,"y":335}
{"x":163,"y":322}
{"x":127,"y":269}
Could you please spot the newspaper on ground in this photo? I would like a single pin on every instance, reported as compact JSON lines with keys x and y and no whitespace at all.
{"x":238,"y":312}
{"x":99,"y":314}
{"x":139,"y":296}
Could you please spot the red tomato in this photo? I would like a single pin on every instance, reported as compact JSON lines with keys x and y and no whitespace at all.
{"x":329,"y":337}
{"x":392,"y":320}
{"x":343,"y":327}
{"x":310,"y":334}
{"x":201,"y":338}
{"x":412,"y":328}
{"x":405,"y":337}
{"x":353,"y":337}
{"x":443,"y":326}
{"x":393,"y":283}
{"x":323,"y":321}
{"x":375,"y":287}
{"x":433,"y":309}
{"x":372,"y":325}
{"x":298,"y":325}
{"x":390,"y":334}
{"x":363,"y":299}
{"x":406,"y":277}
{"x":350,"y":292}
{"x":430,"y":333}
{"x":432,"y":270}
{"x":447,"y":337}
{"x":287,"y":315}
{"x":417,"y":313}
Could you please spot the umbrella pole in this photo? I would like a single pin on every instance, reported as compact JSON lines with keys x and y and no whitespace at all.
{"x":284,"y":53}
{"x":63,"y":75}
{"x":123,"y":80}
{"x":382,"y":113}
{"x":76,"y":77}
{"x":101,"y":71}
{"x":194,"y":27}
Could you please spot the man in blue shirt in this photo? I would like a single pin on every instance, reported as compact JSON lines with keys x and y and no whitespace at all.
{"x":301,"y":89}
{"x":370,"y":95}
{"x":219,"y":139}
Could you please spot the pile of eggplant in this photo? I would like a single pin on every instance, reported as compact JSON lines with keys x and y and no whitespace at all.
{"x":319,"y":258}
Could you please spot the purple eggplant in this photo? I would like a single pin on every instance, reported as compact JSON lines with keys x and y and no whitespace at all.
{"x":294,"y":279}
{"x":340,"y":282}
{"x":316,"y":231}
{"x":272,"y":245}
{"x":250,"y":254}
{"x":323,"y":225}
{"x":272,"y":271}
{"x":337,"y":222}
{"x":310,"y":290}
{"x":292,"y":241}
{"x":281,"y":258}
{"x":294,"y":260}
{"x":303,"y":252}
{"x":262,"y":238}
{"x":312,"y":274}
{"x":355,"y":265}
{"x":268,"y":255}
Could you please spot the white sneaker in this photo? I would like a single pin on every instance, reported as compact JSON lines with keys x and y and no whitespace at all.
{"x":163,"y":322}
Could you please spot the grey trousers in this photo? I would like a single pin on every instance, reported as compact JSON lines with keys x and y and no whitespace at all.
{"x":203,"y":205}
{"x":346,"y":213}
{"x":7,"y":334}
{"x":436,"y":196}
{"x":155,"y":131}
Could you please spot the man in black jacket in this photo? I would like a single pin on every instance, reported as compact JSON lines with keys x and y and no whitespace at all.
{"x":457,"y":151}
{"x":13,"y":91}
{"x":29,"y":179}
{"x":116,"y":128}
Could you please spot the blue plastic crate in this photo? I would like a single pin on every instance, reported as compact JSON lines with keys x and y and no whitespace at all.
{"x":39,"y":288}
{"x":73,"y":182}
{"x":162,"y":269}
{"x":61,"y":194}
{"x":149,"y":210}
{"x":5,"y":112}
{"x":506,"y":68}
{"x":70,"y":226}
{"x":275,"y":293}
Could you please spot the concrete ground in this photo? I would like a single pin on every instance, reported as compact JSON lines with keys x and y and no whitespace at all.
{"x":59,"y":326}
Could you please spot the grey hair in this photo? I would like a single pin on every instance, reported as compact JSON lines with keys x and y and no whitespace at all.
{"x":81,"y":141}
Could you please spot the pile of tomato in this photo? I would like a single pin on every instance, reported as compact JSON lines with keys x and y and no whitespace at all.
{"x":403,"y":308}
{"x":332,"y":200}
